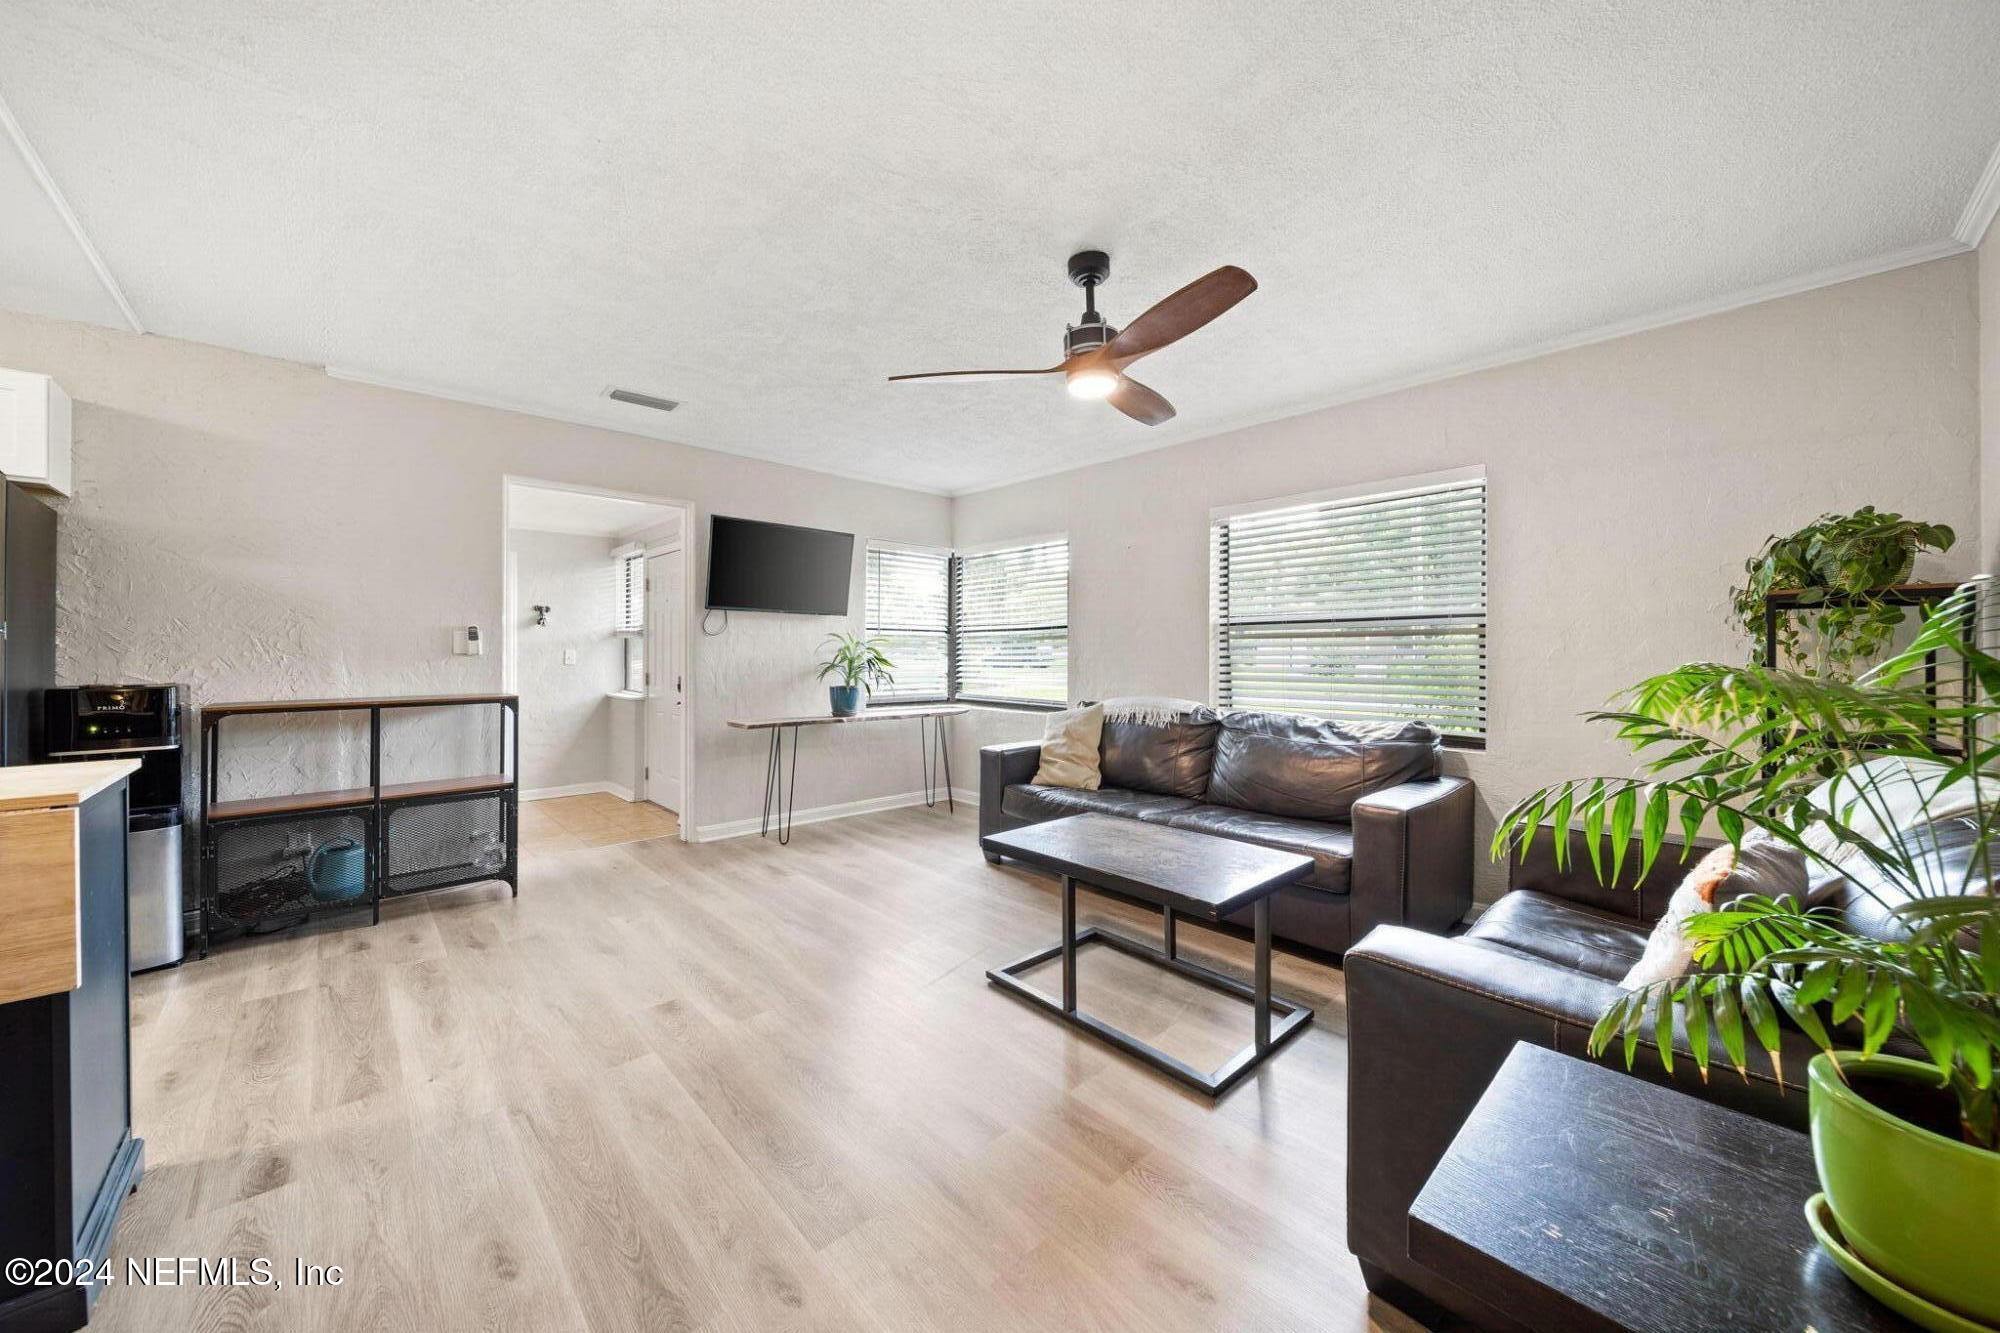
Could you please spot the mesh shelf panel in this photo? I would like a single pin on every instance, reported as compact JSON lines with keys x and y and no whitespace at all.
{"x":429,"y":844}
{"x":259,"y":875}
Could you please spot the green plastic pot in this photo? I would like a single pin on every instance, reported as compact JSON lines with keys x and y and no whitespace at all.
{"x":1919,"y":1208}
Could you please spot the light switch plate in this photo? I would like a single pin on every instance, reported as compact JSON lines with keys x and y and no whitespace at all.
{"x":569,"y":657}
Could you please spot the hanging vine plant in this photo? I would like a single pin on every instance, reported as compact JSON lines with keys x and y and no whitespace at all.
{"x":1835,"y":563}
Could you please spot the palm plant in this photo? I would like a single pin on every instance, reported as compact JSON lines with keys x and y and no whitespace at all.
{"x":1745,"y":747}
{"x":857,"y":661}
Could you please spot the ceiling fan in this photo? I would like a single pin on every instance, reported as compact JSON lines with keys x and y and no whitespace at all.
{"x":1095,"y":354}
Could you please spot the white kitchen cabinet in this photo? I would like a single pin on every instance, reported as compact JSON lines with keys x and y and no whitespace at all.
{"x":34,"y":430}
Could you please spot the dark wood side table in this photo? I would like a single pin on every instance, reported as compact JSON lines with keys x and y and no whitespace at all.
{"x":1578,"y":1197}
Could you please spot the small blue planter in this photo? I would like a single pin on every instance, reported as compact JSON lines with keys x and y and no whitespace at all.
{"x":846,"y":699}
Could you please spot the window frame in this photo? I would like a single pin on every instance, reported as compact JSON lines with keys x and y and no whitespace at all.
{"x":1384,"y":489}
{"x":954,"y":558}
{"x":628,"y":572}
{"x":950,"y":558}
{"x":959,"y":557}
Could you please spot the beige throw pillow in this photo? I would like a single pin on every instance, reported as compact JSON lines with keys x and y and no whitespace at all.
{"x":1763,"y":865}
{"x":1069,"y":748}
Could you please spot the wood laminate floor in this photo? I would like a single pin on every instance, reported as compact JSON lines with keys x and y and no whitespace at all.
{"x":729,"y":1086}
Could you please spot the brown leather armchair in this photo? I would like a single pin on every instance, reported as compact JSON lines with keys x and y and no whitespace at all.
{"x":1429,"y":1021}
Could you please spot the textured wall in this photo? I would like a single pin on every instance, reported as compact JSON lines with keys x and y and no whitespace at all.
{"x":566,"y":711}
{"x":1989,"y":401}
{"x":1628,"y":482}
{"x":257,"y":529}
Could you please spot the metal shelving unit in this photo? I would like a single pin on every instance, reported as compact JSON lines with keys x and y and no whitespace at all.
{"x":416,"y":836}
{"x":1922,"y":598}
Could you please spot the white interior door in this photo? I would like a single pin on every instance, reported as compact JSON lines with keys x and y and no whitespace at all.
{"x":663,"y":679}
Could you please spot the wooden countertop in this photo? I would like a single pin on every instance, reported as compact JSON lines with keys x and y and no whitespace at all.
{"x":48,"y":786}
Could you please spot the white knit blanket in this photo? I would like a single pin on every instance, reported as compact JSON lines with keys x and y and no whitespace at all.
{"x":1154,"y":709}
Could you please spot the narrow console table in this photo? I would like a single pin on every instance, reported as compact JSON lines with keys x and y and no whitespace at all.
{"x":1577,"y":1197}
{"x":67,"y":1155}
{"x":781,"y":787}
{"x":264,"y":859}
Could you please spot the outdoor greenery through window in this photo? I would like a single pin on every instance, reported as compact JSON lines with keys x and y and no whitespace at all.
{"x":1359,"y":607}
{"x":1011,"y":624}
{"x":909,"y":608}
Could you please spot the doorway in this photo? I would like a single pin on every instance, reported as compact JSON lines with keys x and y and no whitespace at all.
{"x":594,"y":642}
{"x":666,"y":615}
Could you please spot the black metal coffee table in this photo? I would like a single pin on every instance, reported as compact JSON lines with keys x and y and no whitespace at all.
{"x":1185,"y":874}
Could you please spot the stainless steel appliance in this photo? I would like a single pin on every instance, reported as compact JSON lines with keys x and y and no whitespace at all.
{"x":143,"y":722}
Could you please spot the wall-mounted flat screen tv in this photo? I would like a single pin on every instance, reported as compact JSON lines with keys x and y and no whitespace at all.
{"x":756,"y":566}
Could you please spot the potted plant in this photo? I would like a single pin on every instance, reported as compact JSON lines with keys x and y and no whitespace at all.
{"x":1835,"y":564}
{"x":1908,"y":1150}
{"x":861,"y":665}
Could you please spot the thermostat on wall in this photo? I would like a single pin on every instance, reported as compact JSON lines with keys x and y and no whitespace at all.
{"x":466,"y":642}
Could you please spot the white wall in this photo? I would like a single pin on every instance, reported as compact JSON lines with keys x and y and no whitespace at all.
{"x":257,"y":529}
{"x":1628,"y":481}
{"x":566,"y":709}
{"x":1989,"y":400}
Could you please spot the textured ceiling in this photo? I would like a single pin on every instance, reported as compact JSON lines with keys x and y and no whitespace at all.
{"x":764,"y":210}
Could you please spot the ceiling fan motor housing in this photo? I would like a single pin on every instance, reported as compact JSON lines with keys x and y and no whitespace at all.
{"x":1087,"y":337}
{"x":1088,"y":268}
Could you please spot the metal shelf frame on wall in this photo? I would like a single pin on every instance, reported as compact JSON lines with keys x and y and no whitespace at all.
{"x":260,"y":855}
{"x":1921,"y":597}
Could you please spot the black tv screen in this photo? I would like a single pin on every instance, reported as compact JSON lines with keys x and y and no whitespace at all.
{"x":756,"y":566}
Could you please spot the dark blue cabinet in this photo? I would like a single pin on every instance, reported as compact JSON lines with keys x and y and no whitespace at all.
{"x":67,"y":1155}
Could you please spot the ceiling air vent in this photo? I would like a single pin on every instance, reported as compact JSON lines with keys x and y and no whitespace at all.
{"x":637,"y":399}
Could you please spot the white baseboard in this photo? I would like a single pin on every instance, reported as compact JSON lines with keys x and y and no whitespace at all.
{"x":820,"y":814}
{"x":579,"y":789}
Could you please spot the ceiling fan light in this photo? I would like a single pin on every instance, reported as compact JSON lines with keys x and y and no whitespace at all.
{"x":1092,"y":383}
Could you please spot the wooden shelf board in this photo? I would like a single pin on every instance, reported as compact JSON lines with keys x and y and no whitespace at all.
{"x":296,"y":803}
{"x":306,"y":802}
{"x":398,"y":791}
{"x":347,"y":705}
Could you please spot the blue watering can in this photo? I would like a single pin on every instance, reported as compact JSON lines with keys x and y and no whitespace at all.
{"x":338,"y":870}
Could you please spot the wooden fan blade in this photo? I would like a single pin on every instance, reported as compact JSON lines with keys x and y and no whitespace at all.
{"x":1176,"y":316}
{"x":969,"y":375}
{"x":1140,"y":403}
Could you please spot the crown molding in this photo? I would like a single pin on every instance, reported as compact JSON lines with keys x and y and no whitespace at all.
{"x":1718,"y":305}
{"x":1980,"y":208}
{"x":599,"y":422}
{"x":40,"y":171}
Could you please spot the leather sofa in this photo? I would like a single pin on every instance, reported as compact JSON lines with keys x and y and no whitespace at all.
{"x":1430,"y":1021}
{"x":1390,"y":837}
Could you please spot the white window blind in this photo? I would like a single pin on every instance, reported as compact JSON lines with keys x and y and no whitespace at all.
{"x":909,"y":608}
{"x":628,"y":611}
{"x":1012,"y":623}
{"x":1366,"y":608}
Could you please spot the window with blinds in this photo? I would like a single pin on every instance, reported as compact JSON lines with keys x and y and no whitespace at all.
{"x":1011,"y":614}
{"x":1364,"y":608}
{"x":909,"y":608}
{"x":628,"y":611}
